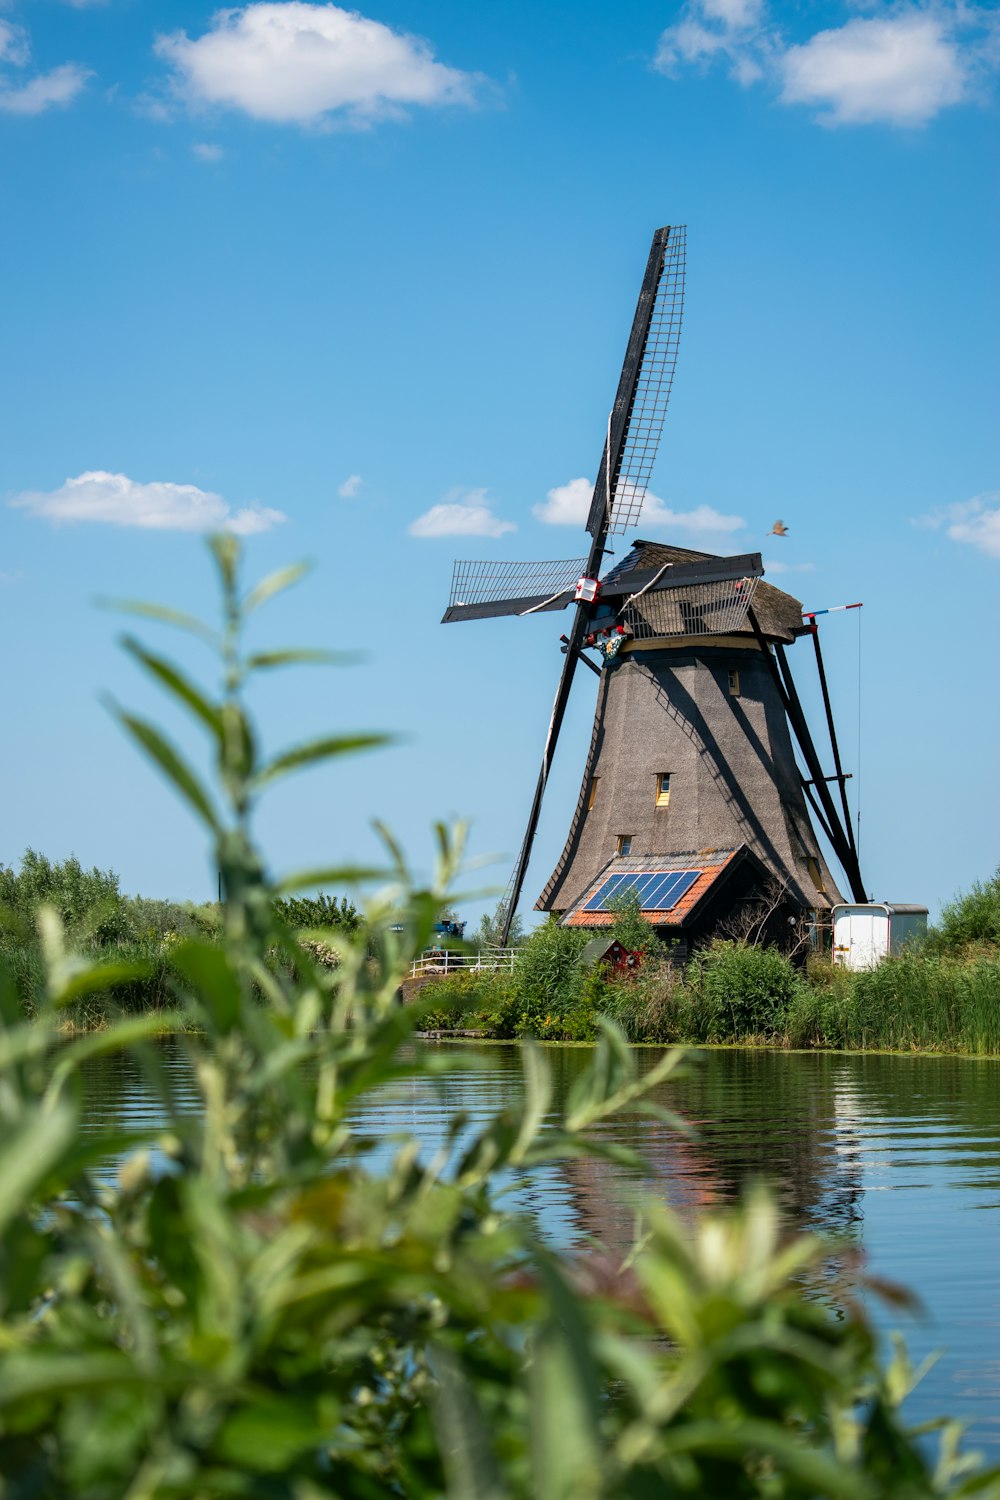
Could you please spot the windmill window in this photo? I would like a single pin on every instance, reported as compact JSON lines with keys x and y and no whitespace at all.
{"x":734,"y":684}
{"x":663,"y":789}
{"x":592,"y":794}
{"x":624,"y":845}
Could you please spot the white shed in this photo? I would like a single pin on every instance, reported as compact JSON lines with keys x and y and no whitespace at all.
{"x":864,"y":934}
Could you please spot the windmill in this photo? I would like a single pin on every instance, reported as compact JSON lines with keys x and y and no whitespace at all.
{"x":691,"y":793}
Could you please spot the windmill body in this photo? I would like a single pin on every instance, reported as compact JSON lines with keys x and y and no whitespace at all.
{"x":691,"y":766}
{"x":692,"y":796}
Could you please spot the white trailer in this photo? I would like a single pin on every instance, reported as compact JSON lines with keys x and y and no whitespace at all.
{"x":864,"y":934}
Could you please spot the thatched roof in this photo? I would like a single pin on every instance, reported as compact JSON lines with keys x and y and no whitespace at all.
{"x":779,"y":614}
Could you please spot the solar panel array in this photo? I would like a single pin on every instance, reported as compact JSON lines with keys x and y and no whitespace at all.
{"x":706,"y":609}
{"x":490,"y":582}
{"x":658,"y":890}
{"x":656,"y":375}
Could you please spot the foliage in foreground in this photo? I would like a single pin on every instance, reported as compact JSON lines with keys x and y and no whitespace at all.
{"x":259,"y":1306}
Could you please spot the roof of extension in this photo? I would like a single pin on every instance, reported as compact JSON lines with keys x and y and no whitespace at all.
{"x":712,"y":865}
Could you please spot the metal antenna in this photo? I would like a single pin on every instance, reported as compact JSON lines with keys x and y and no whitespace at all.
{"x":642,"y":392}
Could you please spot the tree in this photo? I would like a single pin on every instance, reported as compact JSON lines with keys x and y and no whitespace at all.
{"x":490,"y":929}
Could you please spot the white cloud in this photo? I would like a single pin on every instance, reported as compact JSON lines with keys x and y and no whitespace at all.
{"x":350,"y":487}
{"x":566,"y":505}
{"x":205,"y":151}
{"x":975,"y":521}
{"x":903,"y":70}
{"x":299,"y":63}
{"x":704,"y":519}
{"x":901,"y":65}
{"x":569,"y":505}
{"x":469,"y":516}
{"x":14,"y":48}
{"x":160,"y":506}
{"x":56,"y":88}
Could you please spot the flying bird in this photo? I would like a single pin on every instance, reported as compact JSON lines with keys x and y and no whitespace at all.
{"x":778,"y":529}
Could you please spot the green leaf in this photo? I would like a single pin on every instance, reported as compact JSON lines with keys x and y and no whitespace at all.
{"x":94,"y":979}
{"x":29,"y":1152}
{"x":164,"y":615}
{"x":315,"y":751}
{"x":173,"y":766}
{"x":261,"y":660}
{"x":302,"y":880}
{"x":565,"y":1399}
{"x":469,"y":1462}
{"x":537,"y":1098}
{"x":268,"y":1436}
{"x":175,"y":682}
{"x":208,"y":970}
{"x":274,"y":583}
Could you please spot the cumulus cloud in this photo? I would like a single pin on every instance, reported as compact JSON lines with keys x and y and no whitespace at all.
{"x":350,"y":487}
{"x":569,"y":505}
{"x":901,"y":65}
{"x":299,"y":63}
{"x":44,"y":91}
{"x":975,"y":521}
{"x":903,"y":70}
{"x":117,"y":500}
{"x":566,"y":505}
{"x":206,"y":151}
{"x":461,"y":515}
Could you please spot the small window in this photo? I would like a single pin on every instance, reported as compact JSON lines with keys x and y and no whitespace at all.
{"x":734,"y":684}
{"x":814,"y":875}
{"x":592,"y":794}
{"x":624,"y":845}
{"x":663,"y":789}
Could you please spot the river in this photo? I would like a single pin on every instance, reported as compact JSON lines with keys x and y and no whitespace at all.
{"x":900,"y":1156}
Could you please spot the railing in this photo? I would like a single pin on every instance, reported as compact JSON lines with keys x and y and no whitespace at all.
{"x":462,"y":963}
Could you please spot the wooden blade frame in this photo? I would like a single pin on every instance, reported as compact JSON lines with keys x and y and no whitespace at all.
{"x":597,"y":525}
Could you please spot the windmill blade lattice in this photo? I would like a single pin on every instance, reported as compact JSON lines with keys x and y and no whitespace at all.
{"x":495,"y":582}
{"x":652,"y":392}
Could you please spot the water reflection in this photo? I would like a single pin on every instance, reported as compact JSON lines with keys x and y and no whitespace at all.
{"x":900,"y":1155}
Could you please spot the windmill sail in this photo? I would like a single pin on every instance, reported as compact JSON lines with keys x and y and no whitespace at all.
{"x":640,"y":409}
{"x":481,"y":590}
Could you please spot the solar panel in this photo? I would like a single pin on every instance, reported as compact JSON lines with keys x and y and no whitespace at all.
{"x":658,"y":890}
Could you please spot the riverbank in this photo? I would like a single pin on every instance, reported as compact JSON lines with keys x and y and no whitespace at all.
{"x":736,"y":995}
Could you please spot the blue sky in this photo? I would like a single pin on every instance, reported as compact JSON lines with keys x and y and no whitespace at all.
{"x":353,"y":282}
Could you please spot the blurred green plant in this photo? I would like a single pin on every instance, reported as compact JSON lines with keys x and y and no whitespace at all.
{"x":257,"y":1308}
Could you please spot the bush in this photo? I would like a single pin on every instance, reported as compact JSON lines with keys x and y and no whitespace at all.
{"x":745,"y":991}
{"x":630,"y":927}
{"x":88,"y":902}
{"x":655,"y":1005}
{"x":971,"y":920}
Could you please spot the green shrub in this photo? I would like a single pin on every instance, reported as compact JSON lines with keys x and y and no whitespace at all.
{"x":88,"y":902}
{"x":547,"y":966}
{"x":745,"y":991}
{"x":656,"y":1005}
{"x":971,"y":920}
{"x":630,"y":927}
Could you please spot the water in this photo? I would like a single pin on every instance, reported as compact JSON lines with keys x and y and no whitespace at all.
{"x":899,"y":1155}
